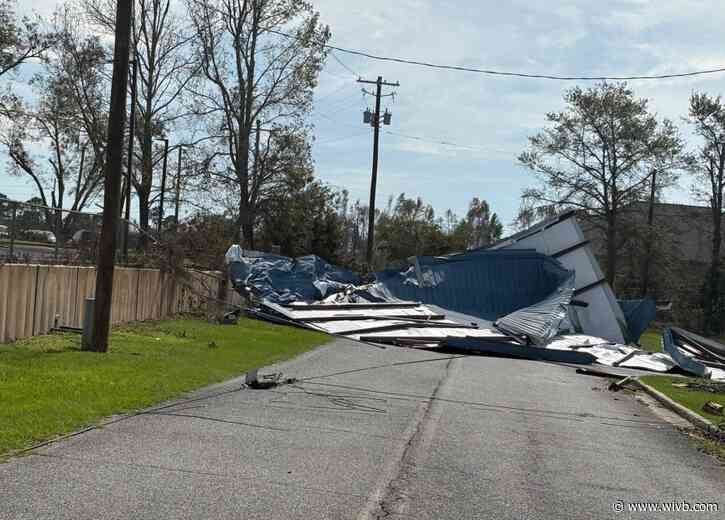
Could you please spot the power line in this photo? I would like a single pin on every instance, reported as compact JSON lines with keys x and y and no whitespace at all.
{"x":445,"y":143}
{"x":336,"y":106}
{"x":358,"y":134}
{"x":337,"y":122}
{"x":492,"y":72}
{"x":338,"y":60}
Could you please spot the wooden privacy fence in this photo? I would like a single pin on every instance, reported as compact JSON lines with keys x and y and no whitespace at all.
{"x":31,"y":296}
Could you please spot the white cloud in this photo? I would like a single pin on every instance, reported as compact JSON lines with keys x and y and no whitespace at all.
{"x":492,"y":114}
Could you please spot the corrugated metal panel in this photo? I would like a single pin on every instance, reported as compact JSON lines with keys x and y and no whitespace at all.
{"x":485,"y":284}
{"x":540,"y":322}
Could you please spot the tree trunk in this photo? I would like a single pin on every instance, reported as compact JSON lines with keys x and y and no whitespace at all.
{"x":145,"y":184}
{"x":143,"y":218}
{"x":712,"y":292}
{"x":244,"y":233}
{"x":611,"y":271}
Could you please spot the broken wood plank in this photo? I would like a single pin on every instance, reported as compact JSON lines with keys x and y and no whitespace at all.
{"x":713,"y":408}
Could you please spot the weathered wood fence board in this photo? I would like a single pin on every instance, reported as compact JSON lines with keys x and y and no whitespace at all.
{"x":31,"y":296}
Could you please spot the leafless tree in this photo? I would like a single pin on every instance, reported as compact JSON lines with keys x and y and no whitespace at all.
{"x":165,"y":67}
{"x":259,"y":61}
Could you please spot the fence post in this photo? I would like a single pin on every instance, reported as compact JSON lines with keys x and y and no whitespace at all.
{"x":87,"y":338}
{"x":12,"y":230}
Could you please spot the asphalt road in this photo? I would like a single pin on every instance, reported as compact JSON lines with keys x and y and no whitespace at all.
{"x":376,"y":433}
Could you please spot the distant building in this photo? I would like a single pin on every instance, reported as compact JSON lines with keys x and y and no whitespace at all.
{"x":680,"y":252}
{"x":690,"y":228}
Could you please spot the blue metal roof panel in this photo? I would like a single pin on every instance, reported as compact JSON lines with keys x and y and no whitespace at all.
{"x":486,"y":284}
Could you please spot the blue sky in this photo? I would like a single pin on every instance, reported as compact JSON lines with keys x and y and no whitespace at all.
{"x":489,"y":117}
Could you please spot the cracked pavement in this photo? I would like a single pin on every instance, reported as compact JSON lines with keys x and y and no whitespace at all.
{"x":374,"y":433}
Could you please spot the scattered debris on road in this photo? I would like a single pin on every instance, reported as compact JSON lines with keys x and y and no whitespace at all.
{"x":539,"y":294}
{"x":713,"y":408}
{"x":694,"y":353}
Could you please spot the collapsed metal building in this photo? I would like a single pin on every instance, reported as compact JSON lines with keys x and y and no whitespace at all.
{"x":539,"y":294}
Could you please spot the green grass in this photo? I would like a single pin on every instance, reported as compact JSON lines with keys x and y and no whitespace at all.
{"x":651,"y":340}
{"x":689,"y":397}
{"x":49,"y":387}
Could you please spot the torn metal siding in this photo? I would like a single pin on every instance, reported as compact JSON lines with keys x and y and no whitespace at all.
{"x":638,"y":314}
{"x":562,"y":238}
{"x":695,"y":354}
{"x":411,"y":324}
{"x":484,"y":284}
{"x":541,"y":321}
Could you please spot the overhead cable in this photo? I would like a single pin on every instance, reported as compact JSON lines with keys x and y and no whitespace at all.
{"x":492,"y":72}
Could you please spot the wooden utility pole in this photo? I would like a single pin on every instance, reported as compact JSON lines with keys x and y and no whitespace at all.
{"x":375,"y":122}
{"x":112,"y":181}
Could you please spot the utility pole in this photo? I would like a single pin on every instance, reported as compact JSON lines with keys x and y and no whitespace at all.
{"x":374,"y":119}
{"x":163,"y":183}
{"x":112,"y":181}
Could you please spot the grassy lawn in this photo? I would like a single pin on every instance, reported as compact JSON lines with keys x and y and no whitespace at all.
{"x":651,"y":340}
{"x":48,"y":386}
{"x":691,"y":398}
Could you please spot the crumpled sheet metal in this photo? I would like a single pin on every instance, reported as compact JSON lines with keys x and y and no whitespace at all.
{"x":541,"y":321}
{"x":613,"y":354}
{"x":682,"y":346}
{"x":282,"y":279}
{"x":561,"y":237}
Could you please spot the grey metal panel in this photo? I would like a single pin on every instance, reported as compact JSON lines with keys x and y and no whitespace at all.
{"x":687,"y":363}
{"x":540,"y":322}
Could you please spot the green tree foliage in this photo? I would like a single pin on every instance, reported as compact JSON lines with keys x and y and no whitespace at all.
{"x":302,"y":221}
{"x":598,"y":156}
{"x":408,"y":227}
{"x":707,"y":117}
{"x":480,"y":228}
{"x":57,"y":138}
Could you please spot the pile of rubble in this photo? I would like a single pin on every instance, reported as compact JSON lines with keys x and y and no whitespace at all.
{"x":539,"y":294}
